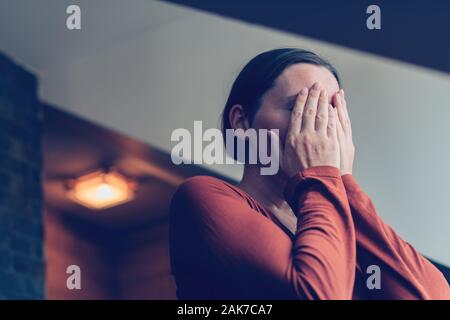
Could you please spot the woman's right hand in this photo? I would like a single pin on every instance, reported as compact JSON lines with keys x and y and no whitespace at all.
{"x":311,"y":139}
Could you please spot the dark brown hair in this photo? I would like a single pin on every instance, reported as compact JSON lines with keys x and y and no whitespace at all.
{"x":259,"y":75}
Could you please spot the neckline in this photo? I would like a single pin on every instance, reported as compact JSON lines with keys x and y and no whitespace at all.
{"x":266,"y":212}
{"x":277,"y":221}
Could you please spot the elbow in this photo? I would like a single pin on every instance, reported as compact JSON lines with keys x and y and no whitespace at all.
{"x":323,"y":287}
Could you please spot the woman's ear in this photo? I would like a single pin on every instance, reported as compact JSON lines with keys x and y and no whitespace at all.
{"x":238,"y":118}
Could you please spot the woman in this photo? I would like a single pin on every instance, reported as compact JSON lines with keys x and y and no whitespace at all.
{"x":308,"y":232}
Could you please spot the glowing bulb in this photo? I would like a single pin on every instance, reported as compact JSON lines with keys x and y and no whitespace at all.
{"x":99,"y":190}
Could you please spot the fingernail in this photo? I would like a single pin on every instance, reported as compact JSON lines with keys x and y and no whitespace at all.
{"x":316,"y":85}
{"x":304,"y":91}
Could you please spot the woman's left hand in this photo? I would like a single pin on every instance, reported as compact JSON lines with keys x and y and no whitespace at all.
{"x":344,"y":133}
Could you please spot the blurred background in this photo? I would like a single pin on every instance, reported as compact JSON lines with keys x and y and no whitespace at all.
{"x":101,"y":103}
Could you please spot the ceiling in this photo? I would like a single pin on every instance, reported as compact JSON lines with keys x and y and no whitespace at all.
{"x":411,"y":31}
{"x":35,"y":33}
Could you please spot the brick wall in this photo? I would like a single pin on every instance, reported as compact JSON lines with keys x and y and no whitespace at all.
{"x":21,"y":236}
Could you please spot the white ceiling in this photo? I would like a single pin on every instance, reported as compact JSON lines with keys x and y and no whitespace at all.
{"x":35,"y":33}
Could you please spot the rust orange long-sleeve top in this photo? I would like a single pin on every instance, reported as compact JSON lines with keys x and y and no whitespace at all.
{"x":225,"y":245}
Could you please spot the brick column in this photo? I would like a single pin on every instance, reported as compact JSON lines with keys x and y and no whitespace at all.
{"x":21,"y":235}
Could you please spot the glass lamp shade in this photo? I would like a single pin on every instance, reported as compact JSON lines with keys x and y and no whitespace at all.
{"x":101,"y":190}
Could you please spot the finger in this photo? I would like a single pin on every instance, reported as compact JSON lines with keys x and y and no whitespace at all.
{"x":339,"y":129}
{"x":322,"y":112}
{"x":279,"y":150}
{"x":297,"y":113}
{"x":332,"y":122}
{"x":344,"y":104}
{"x":309,"y":114}
{"x":339,"y":108}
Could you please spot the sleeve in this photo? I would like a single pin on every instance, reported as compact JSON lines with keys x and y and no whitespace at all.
{"x":405,"y":274}
{"x":318,"y":264}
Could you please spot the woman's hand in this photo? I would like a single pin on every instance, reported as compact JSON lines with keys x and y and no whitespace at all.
{"x":344,"y":133}
{"x":311,"y":139}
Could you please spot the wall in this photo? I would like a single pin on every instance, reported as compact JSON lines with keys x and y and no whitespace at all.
{"x":143,"y":270}
{"x":115,"y":264}
{"x":70,"y":241}
{"x":21,"y":254}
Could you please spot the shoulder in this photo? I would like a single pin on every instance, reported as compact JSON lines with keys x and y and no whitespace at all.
{"x":206,"y":190}
{"x":202,"y":182}
{"x":201,"y":185}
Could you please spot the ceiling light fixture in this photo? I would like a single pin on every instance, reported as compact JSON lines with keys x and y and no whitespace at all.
{"x":101,"y":189}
